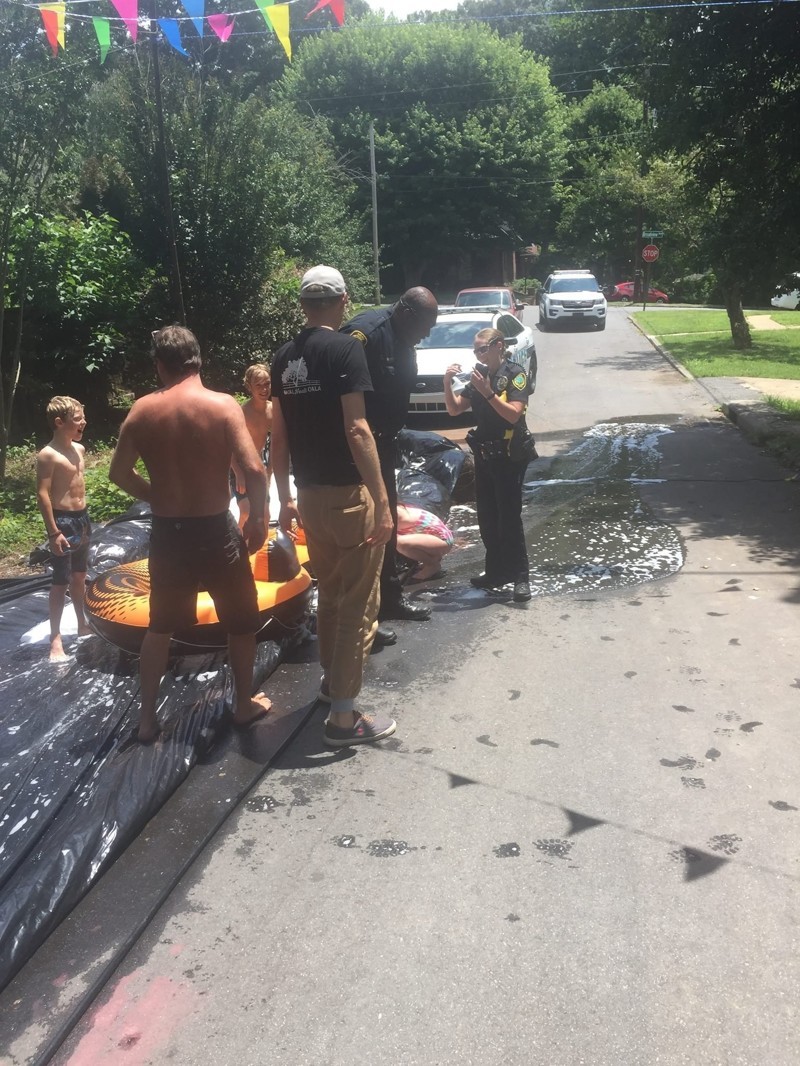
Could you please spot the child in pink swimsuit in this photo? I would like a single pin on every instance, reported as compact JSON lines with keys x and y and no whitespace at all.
{"x":423,"y":538}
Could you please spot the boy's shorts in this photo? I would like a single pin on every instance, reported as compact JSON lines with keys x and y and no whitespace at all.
{"x":77,"y":528}
{"x":187,"y":554}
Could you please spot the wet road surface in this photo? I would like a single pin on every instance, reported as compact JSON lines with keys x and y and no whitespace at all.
{"x":581,"y":846}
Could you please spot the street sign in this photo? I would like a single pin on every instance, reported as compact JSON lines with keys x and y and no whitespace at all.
{"x":649,"y":233}
{"x":650,"y":253}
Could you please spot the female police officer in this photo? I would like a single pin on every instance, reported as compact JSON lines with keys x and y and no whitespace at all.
{"x":503,"y":447}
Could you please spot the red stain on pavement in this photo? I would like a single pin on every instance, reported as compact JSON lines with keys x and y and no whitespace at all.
{"x":136,"y":1022}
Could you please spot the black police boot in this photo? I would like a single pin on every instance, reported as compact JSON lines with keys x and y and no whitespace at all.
{"x":405,"y":611}
{"x":384,"y":637}
{"x":522,"y":591}
{"x":483,"y":581}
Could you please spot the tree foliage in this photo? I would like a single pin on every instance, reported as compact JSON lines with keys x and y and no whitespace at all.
{"x":727,"y":98}
{"x":468,"y":133}
{"x":42,"y":113}
{"x":252,"y":186}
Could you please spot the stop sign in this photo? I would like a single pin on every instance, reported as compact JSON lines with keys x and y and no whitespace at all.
{"x":650,"y":253}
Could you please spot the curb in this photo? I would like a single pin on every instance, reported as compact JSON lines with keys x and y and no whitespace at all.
{"x":757,"y":421}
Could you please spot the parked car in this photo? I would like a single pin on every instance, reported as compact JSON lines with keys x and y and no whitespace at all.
{"x":787,"y":294}
{"x":500,"y":299}
{"x":572,"y":296}
{"x":450,"y":341}
{"x":623,"y":290}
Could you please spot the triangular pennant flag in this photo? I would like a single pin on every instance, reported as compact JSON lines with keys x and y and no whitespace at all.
{"x":220,"y":25}
{"x":103,"y":32}
{"x":196,"y":9}
{"x":336,"y":6}
{"x":277,"y":16}
{"x":169,"y":27}
{"x":128,"y":11}
{"x":53,"y":19}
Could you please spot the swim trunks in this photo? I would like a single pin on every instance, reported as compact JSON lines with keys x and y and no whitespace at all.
{"x":187,"y":554}
{"x":77,"y":528}
{"x":421,"y":521}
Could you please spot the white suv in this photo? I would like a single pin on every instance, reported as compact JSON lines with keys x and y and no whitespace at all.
{"x":572,"y":295}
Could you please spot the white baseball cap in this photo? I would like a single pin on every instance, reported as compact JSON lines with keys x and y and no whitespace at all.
{"x":320,"y":282}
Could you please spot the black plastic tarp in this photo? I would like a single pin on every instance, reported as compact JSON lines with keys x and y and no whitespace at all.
{"x":434,"y":472}
{"x":75,"y":786}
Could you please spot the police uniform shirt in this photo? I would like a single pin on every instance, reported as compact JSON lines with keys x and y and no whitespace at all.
{"x":309,"y":377}
{"x":511,"y":383}
{"x":392,"y":368}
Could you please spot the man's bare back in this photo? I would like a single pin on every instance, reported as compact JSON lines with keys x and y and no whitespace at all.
{"x":187,"y":436}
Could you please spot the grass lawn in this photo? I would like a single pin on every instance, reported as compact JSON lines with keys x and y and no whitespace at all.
{"x":701,"y":340}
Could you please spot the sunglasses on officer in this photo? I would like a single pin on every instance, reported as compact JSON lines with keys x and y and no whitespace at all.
{"x":479,"y":349}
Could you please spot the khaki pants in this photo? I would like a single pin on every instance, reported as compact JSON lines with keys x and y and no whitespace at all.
{"x":337,"y":519}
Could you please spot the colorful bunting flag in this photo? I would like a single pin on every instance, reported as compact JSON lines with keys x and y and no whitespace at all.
{"x":336,"y":6}
{"x":221,"y":26}
{"x":53,"y":16}
{"x":196,"y":9}
{"x":277,"y":16}
{"x":128,"y":11}
{"x":103,"y":31}
{"x":169,"y":27}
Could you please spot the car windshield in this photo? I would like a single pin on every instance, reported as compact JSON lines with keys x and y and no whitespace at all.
{"x":453,"y":334}
{"x":584,"y":284}
{"x":479,"y":299}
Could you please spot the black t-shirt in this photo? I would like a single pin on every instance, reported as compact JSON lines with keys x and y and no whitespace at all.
{"x":309,"y":376}
{"x":392,"y":368}
{"x":511,"y":383}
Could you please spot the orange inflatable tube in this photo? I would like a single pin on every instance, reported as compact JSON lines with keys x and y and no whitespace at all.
{"x":118,"y":601}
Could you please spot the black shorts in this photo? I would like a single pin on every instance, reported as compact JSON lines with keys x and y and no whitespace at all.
{"x":77,"y":528}
{"x":187,"y":554}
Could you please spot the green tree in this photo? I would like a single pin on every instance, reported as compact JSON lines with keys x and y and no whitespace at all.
{"x":727,"y":98}
{"x":614,"y":177}
{"x":468,"y":133}
{"x":43,"y":111}
{"x":84,"y":293}
{"x":603,"y":182}
{"x":252,"y":187}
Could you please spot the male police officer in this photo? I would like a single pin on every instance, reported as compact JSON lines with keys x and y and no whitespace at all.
{"x":389,"y":336}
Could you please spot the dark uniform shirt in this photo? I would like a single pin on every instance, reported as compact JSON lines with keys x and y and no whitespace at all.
{"x":392,"y":368}
{"x":511,"y":383}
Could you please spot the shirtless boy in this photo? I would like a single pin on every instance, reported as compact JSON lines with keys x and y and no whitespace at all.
{"x":257,"y":411}
{"x":188,"y":437}
{"x":61,"y":496}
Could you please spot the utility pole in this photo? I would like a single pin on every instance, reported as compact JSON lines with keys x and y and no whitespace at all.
{"x":637,"y":251}
{"x":163,"y":173}
{"x":374,"y":183}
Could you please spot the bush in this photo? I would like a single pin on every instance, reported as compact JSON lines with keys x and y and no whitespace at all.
{"x":527,"y":287}
{"x":697,"y":289}
{"x":21,"y":526}
{"x":103,"y":498}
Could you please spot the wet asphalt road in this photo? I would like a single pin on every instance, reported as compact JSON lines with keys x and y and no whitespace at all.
{"x":581,"y":846}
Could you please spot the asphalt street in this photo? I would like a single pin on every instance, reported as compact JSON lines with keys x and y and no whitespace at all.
{"x":581,"y":846}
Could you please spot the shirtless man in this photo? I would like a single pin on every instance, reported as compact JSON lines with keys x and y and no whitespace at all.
{"x":61,"y":496}
{"x":187,"y":437}
{"x":257,"y":411}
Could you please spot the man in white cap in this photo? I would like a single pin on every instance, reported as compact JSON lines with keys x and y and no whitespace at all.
{"x":318,"y":421}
